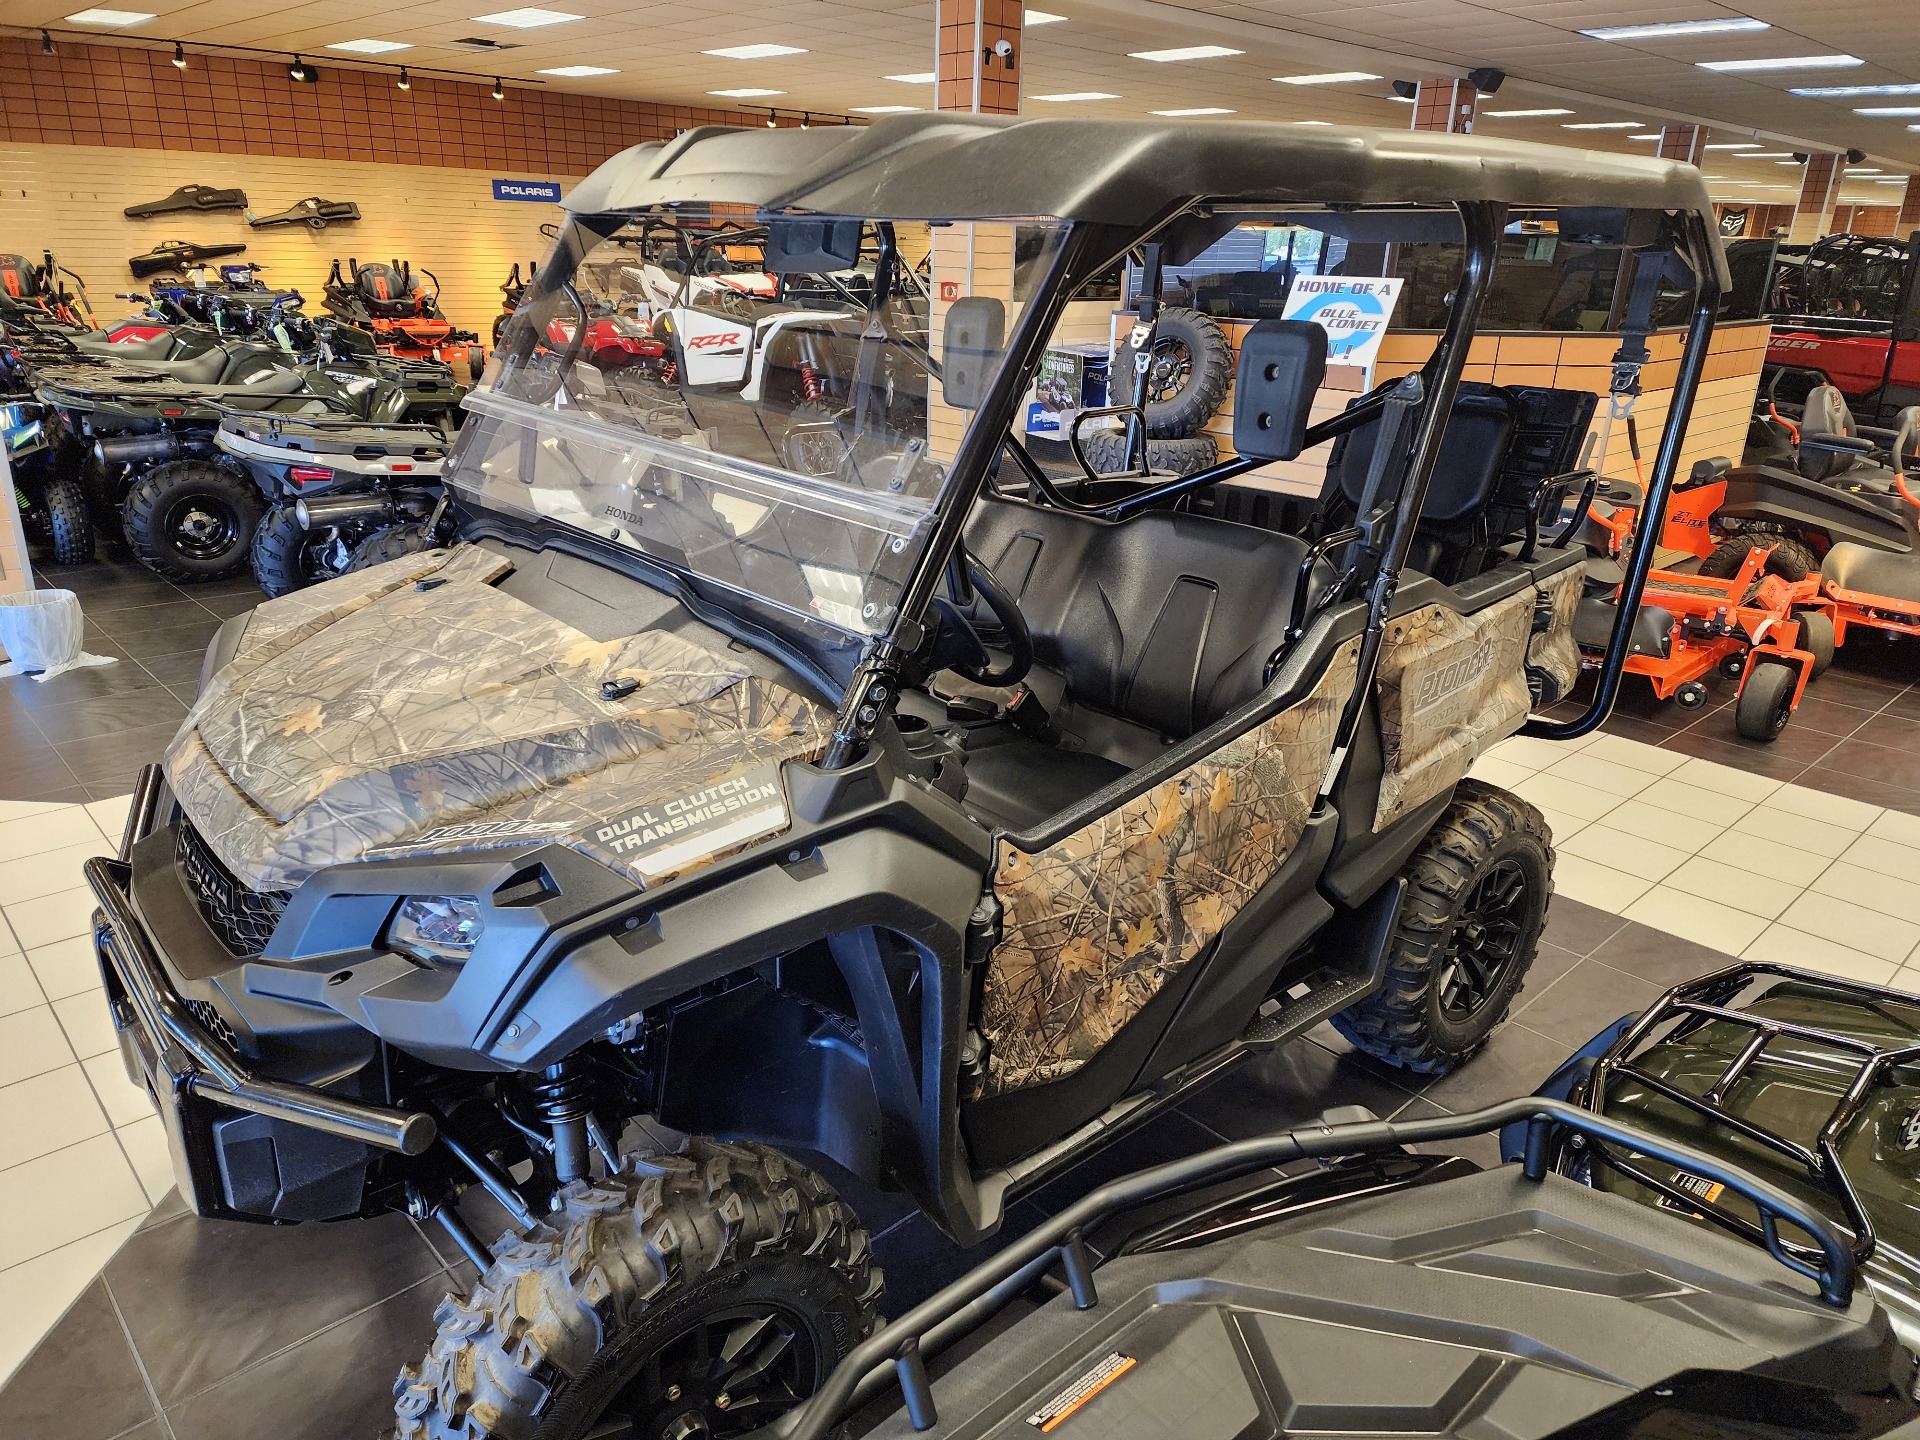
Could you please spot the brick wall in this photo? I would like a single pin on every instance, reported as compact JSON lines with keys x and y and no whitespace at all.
{"x":132,"y":97}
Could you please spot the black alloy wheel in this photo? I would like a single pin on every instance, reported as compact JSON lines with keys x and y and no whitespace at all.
{"x":1485,"y":940}
{"x":727,"y":1374}
{"x":1172,"y":367}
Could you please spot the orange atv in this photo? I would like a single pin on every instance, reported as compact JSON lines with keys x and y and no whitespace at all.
{"x":1772,"y":634}
{"x":404,"y":318}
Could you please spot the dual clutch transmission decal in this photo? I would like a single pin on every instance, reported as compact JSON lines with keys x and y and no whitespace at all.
{"x":669,"y":836}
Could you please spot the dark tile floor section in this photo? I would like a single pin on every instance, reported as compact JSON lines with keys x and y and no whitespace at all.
{"x":85,"y":734}
{"x":1851,"y":736}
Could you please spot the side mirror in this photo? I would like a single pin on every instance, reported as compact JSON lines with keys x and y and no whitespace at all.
{"x":1282,"y":363}
{"x":973,"y":336}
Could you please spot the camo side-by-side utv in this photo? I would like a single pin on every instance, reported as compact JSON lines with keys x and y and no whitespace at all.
{"x":895,"y":808}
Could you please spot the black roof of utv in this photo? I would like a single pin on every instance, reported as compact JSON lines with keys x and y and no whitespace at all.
{"x":1122,"y":172}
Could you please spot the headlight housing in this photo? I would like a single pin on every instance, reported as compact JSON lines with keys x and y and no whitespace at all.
{"x":437,"y":929}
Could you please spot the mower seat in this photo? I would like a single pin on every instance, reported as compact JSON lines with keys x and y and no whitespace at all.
{"x":1869,"y":571}
{"x":1832,"y":447}
{"x":385,"y":290}
{"x":19,"y":278}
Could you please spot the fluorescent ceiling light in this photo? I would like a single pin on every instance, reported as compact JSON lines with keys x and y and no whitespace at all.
{"x":1849,"y":92}
{"x":1675,"y":29}
{"x":1886,"y":109}
{"x":1332,"y":77}
{"x":1654,"y":136}
{"x":919,"y":77}
{"x":886,"y":109}
{"x":1404,"y":99}
{"x":1892,"y":180}
{"x":578,"y":72}
{"x":1041,"y":17}
{"x":530,"y":17}
{"x":1863,"y":170}
{"x":110,"y":17}
{"x":1782,"y":62}
{"x":1769,"y":155}
{"x":1524,"y":114}
{"x":1202,"y":110}
{"x":1185,"y":52}
{"x":1071,"y":96}
{"x":371,"y":47}
{"x":754,"y":52}
{"x":1734,"y":145}
{"x":1605,"y":125}
{"x":1313,"y":122}
{"x":746,"y":92}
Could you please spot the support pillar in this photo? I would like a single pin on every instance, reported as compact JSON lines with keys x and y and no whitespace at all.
{"x":972,"y":77}
{"x":1819,"y":185}
{"x":1685,"y":143}
{"x":1909,"y":217}
{"x":1445,"y":104}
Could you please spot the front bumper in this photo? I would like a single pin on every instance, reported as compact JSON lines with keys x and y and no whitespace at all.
{"x":198,"y":1081}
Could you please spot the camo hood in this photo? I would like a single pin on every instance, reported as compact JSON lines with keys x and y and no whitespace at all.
{"x":415,"y":708}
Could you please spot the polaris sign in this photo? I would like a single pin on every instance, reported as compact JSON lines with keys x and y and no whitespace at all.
{"x":544,"y":191}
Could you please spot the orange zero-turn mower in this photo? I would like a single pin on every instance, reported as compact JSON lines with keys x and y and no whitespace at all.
{"x":1772,"y":634}
{"x":1876,"y":588}
{"x":404,"y":318}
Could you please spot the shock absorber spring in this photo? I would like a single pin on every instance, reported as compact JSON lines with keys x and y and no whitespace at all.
{"x":560,"y":1096}
{"x":810,"y":386}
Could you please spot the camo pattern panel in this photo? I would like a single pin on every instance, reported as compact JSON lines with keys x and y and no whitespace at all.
{"x":1552,"y":655}
{"x":1095,"y":925}
{"x":1449,"y":685}
{"x":457,"y":718}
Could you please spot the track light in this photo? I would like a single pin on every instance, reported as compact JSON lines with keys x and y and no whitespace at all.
{"x":46,"y":43}
{"x":499,"y":90}
{"x":1854,"y":157}
{"x":1407,"y":89}
{"x":773,"y":119}
{"x":179,"y":56}
{"x":405,"y":81}
{"x":302,"y":73}
{"x":1486,"y":80}
{"x":806,"y":119}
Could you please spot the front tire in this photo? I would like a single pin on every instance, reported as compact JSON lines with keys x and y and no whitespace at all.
{"x":68,"y":522}
{"x":1792,"y":560}
{"x":287,"y":556}
{"x":1766,"y":702}
{"x":1476,"y":902}
{"x":705,"y":1293}
{"x":192,"y":520}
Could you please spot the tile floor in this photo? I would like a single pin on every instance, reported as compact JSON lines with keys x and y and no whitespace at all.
{"x":121,"y":1316}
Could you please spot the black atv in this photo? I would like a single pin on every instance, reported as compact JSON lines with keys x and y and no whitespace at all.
{"x":1391,"y":1291}
{"x":857,"y":813}
{"x":331,"y":483}
{"x":141,"y":433}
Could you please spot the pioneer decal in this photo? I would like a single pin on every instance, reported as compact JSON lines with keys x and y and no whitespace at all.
{"x":475,"y":833}
{"x":1454,"y":675}
{"x":672,"y":835}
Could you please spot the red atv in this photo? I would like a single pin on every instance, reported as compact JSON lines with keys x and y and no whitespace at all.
{"x":404,"y":318}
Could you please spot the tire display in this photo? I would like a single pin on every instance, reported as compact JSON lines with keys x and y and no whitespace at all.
{"x":1187,"y":378}
{"x":1106,"y":452}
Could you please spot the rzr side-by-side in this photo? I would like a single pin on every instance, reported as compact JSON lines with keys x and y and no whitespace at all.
{"x":798,"y":768}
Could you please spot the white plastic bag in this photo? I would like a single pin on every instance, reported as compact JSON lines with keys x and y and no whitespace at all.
{"x":40,"y":631}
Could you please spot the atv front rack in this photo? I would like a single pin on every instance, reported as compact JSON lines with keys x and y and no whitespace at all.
{"x":896,"y":1352}
{"x":1706,"y":1000}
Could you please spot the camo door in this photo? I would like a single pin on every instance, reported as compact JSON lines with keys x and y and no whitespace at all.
{"x":1450,"y":685}
{"x":1096,"y":924}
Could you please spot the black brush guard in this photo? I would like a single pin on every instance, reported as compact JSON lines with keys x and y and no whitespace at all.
{"x":896,"y":1352}
{"x":1706,"y":1000}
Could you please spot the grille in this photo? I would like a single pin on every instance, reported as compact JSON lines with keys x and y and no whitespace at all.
{"x":243,"y":919}
{"x":214,"y":1023}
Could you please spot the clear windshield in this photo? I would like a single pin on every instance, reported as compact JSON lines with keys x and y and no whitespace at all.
{"x":783,"y":435}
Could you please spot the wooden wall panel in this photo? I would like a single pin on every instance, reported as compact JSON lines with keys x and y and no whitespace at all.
{"x":68,"y":198}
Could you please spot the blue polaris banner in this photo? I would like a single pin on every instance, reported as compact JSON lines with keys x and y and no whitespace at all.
{"x":547,"y":191}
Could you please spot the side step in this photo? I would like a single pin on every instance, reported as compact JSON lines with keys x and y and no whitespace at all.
{"x":1360,"y":940}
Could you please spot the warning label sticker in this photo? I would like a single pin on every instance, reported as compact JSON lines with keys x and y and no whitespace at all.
{"x":670,"y":835}
{"x":1062,"y":1403}
{"x":1707,"y":1190}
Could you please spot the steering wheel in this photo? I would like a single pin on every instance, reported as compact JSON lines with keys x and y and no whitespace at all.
{"x":977,"y":664}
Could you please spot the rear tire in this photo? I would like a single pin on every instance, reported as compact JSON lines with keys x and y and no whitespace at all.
{"x":192,"y":520}
{"x":1194,"y":364}
{"x":1477,"y":893}
{"x":1106,"y":452}
{"x":1816,"y":638}
{"x":68,"y":521}
{"x":588,"y":1320}
{"x":393,"y":543}
{"x":1766,"y":704}
{"x":1791,"y":559}
{"x":287,"y":556}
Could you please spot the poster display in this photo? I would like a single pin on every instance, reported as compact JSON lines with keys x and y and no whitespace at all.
{"x":1353,"y":310}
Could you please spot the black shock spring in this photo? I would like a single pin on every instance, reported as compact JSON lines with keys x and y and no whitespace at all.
{"x":561,"y":1096}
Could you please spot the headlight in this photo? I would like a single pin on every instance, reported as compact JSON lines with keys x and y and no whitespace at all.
{"x":439,"y":929}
